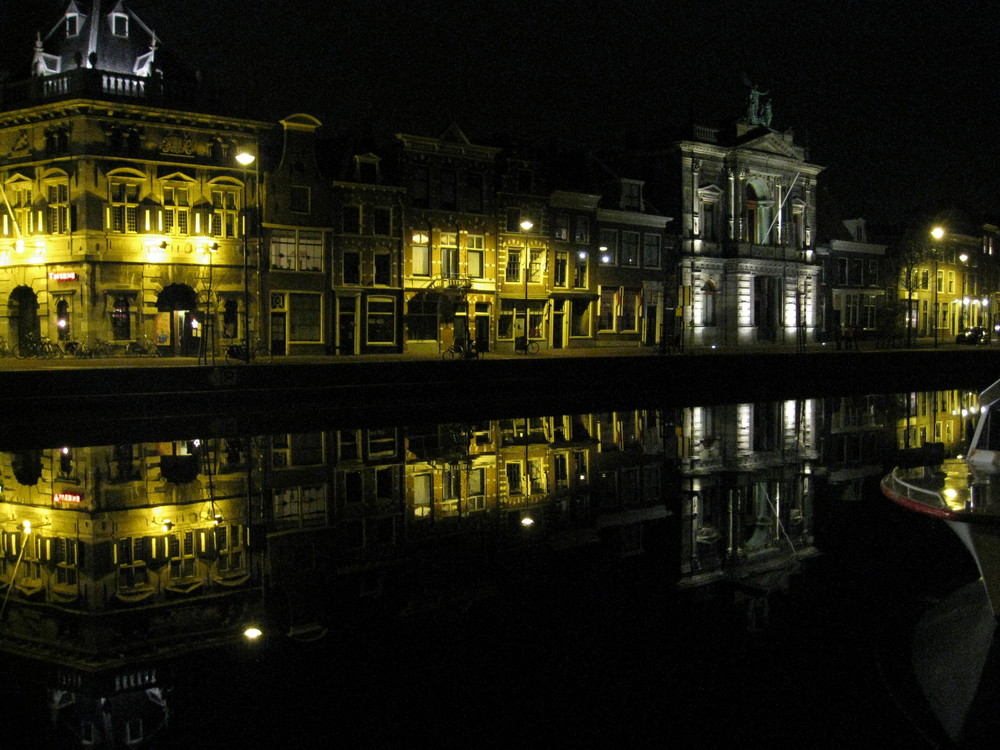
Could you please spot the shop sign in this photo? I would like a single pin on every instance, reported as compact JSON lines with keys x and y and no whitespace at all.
{"x":67,"y":497}
{"x":63,"y":276}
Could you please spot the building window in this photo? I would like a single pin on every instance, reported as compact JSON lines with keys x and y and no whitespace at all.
{"x":62,"y":319}
{"x":559,"y":271}
{"x":310,"y":251}
{"x":474,"y":193}
{"x":581,"y":229}
{"x":536,"y":258}
{"x":121,"y":318}
{"x":421,"y":187}
{"x":305,"y":317}
{"x":299,"y":199}
{"x":124,"y":206}
{"x":651,"y":251}
{"x":630,"y":249}
{"x":352,"y":267}
{"x":72,"y":24}
{"x":628,"y":317}
{"x":475,"y":243}
{"x":224,"y":216}
{"x":421,"y":319}
{"x":708,"y":307}
{"x":299,"y":250}
{"x":606,"y":312}
{"x":176,"y":210}
{"x":383,"y":269}
{"x":609,"y":247}
{"x":381,"y":320}
{"x":449,"y":189}
{"x":420,"y":254}
{"x":842,"y":271}
{"x":283,"y":249}
{"x":230,"y":319}
{"x":57,"y":218}
{"x":513,"y":272}
{"x":119,"y":24}
{"x":580,"y":321}
{"x":352,"y":219}
{"x":382,"y":220}
{"x":580,"y":271}
{"x":449,"y":255}
{"x":631,"y":199}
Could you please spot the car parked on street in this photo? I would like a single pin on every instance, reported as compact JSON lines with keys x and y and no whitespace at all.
{"x":975,"y":335}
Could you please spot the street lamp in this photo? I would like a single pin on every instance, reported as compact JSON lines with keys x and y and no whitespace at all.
{"x":937,"y":233}
{"x":245,"y":159}
{"x":526,"y":226}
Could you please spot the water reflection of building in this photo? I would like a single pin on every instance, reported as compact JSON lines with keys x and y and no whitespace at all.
{"x":114,"y":557}
{"x":747,"y":486}
{"x":140,"y":552}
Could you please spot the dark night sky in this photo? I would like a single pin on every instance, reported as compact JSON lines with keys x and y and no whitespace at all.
{"x":898,"y":101}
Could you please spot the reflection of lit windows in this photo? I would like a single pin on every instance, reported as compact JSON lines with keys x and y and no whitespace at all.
{"x":423,"y":489}
{"x":561,"y":465}
{"x":477,"y":489}
{"x":514,"y":485}
{"x":180,"y":551}
{"x":536,"y":475}
{"x":130,"y":557}
{"x":66,"y":553}
{"x":348,"y":444}
{"x":297,"y":449}
{"x":381,"y":442}
{"x":385,"y":483}
{"x":297,"y":507}
{"x":229,"y":549}
{"x":451,"y":484}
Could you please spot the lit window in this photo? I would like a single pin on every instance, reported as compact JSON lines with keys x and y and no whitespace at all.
{"x":124,"y":207}
{"x":119,"y":24}
{"x":223,"y":221}
{"x":176,"y":210}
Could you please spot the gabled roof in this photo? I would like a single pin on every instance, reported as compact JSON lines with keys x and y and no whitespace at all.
{"x":100,"y":34}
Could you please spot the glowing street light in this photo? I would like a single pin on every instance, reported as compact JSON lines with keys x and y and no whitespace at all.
{"x":526,"y":226}
{"x":245,"y":159}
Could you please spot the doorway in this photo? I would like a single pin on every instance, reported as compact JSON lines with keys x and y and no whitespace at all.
{"x":22,"y":309}
{"x":178,"y":325}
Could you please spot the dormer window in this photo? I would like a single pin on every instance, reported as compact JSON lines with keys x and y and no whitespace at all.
{"x":119,"y":24}
{"x":72,"y":24}
{"x":631,"y":198}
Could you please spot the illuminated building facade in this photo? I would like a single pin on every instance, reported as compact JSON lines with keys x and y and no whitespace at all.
{"x":748,"y":272}
{"x":854,"y":299}
{"x":123,"y":197}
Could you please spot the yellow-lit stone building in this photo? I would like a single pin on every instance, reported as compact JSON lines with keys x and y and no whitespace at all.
{"x":124,"y":201}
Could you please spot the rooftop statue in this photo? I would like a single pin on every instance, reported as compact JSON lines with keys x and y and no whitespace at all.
{"x":758,"y":111}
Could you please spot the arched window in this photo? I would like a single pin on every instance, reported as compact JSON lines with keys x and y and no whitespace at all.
{"x":708,"y":309}
{"x":62,"y":319}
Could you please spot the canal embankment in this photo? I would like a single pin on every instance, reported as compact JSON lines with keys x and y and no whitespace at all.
{"x":221,"y":397}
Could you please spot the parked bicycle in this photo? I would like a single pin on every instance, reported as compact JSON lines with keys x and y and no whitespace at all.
{"x":142,"y":347}
{"x":523,"y":346}
{"x":33,"y":345}
{"x":99,"y":348}
{"x":258,"y":353}
{"x":461,"y":349}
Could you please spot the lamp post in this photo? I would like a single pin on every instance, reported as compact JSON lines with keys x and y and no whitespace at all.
{"x":207,"y":348}
{"x":526,"y":226}
{"x":937,"y":233}
{"x":245,"y":159}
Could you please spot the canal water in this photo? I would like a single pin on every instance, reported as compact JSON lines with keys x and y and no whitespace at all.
{"x":726,"y":574}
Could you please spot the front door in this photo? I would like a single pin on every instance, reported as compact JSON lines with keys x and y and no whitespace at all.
{"x":278,"y":348}
{"x":558,"y":319}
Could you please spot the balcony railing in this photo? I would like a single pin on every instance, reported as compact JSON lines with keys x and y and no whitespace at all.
{"x":81,"y":82}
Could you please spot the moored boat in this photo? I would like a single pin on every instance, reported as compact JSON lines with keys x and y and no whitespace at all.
{"x":963,"y":492}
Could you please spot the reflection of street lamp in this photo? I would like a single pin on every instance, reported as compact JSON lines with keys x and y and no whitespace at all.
{"x":208,"y":325}
{"x":937,"y":233}
{"x":526,"y":226}
{"x":245,"y":159}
